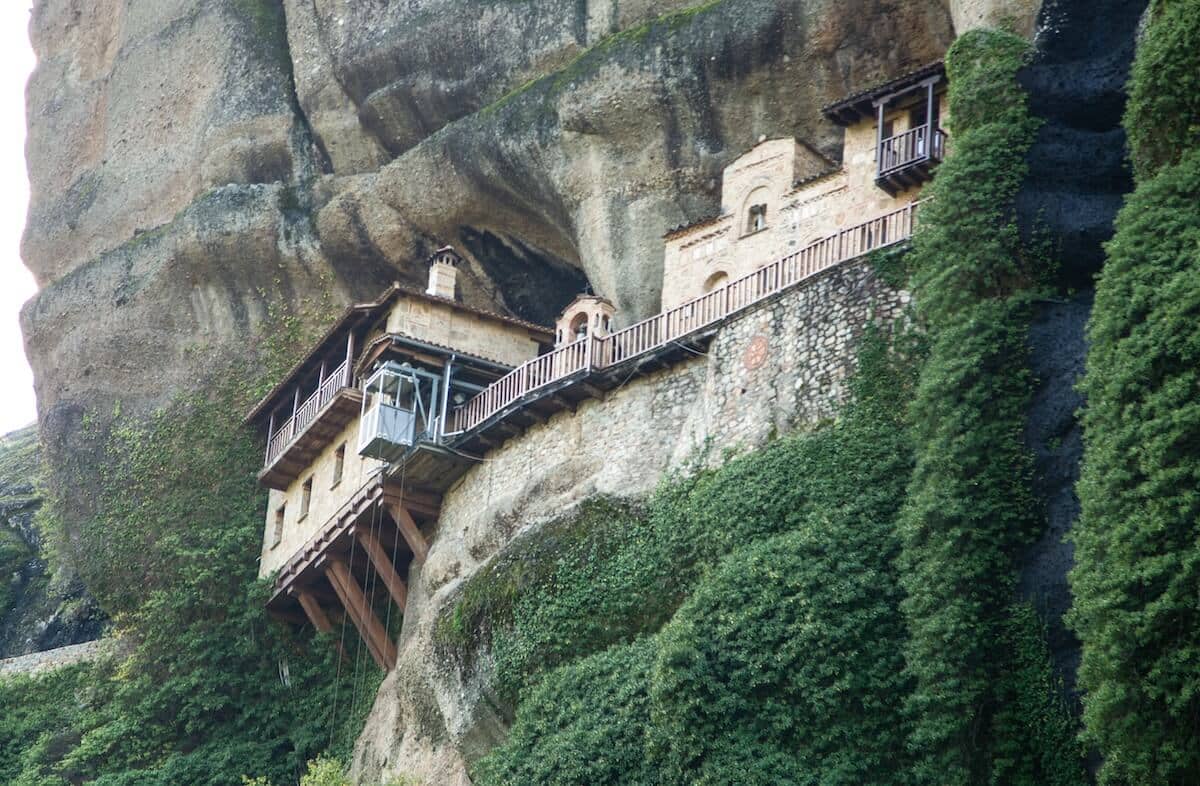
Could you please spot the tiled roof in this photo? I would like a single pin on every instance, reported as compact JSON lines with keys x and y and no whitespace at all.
{"x":682,"y":228}
{"x":804,"y":181}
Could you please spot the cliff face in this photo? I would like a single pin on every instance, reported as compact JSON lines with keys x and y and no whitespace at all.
{"x":196,"y":166}
{"x":35,"y":613}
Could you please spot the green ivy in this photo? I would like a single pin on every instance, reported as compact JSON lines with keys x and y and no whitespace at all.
{"x":1034,"y":741}
{"x":1136,"y":581}
{"x":969,"y":505}
{"x":783,"y":562}
{"x":1162,"y":116}
{"x":584,"y":723}
{"x":211,"y":688}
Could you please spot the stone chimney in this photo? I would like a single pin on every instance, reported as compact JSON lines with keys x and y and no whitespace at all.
{"x":443,"y":273}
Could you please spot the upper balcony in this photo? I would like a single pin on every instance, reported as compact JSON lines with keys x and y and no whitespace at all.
{"x":292,"y":446}
{"x":908,"y":158}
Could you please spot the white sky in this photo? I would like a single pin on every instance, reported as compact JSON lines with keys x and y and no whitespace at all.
{"x":16,"y":284}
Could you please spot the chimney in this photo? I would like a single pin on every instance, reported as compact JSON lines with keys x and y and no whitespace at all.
{"x":443,"y":273}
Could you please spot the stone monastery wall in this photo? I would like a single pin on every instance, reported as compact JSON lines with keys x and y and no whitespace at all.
{"x":778,"y":367}
{"x":49,"y":660}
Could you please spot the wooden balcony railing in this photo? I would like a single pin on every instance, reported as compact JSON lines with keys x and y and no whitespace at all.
{"x":307,"y":412}
{"x":910,"y":147}
{"x":531,"y":375}
{"x":676,"y":323}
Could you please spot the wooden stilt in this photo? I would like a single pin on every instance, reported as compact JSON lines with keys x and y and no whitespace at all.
{"x":383,"y":566}
{"x":369,"y":627}
{"x":408,"y":528}
{"x":316,"y":614}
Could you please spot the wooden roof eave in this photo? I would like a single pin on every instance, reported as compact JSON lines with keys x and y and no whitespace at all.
{"x":861,"y":105}
{"x":364,"y":311}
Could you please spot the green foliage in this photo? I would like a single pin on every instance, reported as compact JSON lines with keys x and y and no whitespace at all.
{"x":1034,"y":739}
{"x":785,"y":664}
{"x":1137,"y":544}
{"x":1162,"y":117}
{"x":785,"y":660}
{"x":13,"y":555}
{"x":211,"y":689}
{"x":969,"y":505}
{"x":39,"y":715}
{"x":583,"y":723}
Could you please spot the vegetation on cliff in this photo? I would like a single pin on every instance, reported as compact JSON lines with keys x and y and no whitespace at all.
{"x":1137,"y":544}
{"x":211,"y":688}
{"x":838,"y":607}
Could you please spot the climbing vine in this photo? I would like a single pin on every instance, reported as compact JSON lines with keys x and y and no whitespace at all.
{"x":1137,"y":545}
{"x":209,"y":688}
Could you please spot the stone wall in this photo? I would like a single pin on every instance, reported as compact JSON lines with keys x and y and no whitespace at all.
{"x":778,"y":367}
{"x":38,"y":662}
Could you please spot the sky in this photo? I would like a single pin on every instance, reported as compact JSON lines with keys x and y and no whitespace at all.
{"x":17,"y":406}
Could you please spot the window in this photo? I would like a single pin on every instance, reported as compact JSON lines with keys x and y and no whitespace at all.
{"x":579,"y":326}
{"x":339,"y":463}
{"x":280,"y":513}
{"x":305,"y":497}
{"x":758,"y":219}
{"x":889,"y":127}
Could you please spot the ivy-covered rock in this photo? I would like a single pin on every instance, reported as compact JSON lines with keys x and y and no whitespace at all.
{"x":584,"y":723}
{"x":1162,"y":117}
{"x":1137,"y":544}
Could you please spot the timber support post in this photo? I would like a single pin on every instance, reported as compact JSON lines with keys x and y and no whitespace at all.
{"x":369,"y":627}
{"x":383,"y":565}
{"x":408,"y":528}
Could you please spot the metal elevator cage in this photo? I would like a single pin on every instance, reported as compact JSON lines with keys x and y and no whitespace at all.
{"x":401,"y":408}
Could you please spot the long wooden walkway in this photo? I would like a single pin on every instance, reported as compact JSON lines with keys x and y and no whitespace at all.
{"x":679,"y":324}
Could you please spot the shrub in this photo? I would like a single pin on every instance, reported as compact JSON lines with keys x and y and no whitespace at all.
{"x":583,"y":723}
{"x":1162,"y":117}
{"x":1137,"y":544}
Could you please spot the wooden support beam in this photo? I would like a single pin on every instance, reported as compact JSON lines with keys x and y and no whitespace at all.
{"x":383,"y":565}
{"x":369,"y":627}
{"x":409,"y":529}
{"x":312,"y":609}
{"x":316,"y":615}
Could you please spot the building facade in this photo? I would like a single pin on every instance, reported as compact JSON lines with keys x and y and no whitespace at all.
{"x":782,"y":196}
{"x":405,"y":396}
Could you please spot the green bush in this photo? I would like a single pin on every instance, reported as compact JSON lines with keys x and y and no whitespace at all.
{"x":785,"y":665}
{"x":1034,"y":741}
{"x":583,"y":723}
{"x":969,"y":505}
{"x":212,"y":689}
{"x":1162,"y":117}
{"x":1137,"y":544}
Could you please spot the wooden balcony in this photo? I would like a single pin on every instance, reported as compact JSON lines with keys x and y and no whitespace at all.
{"x":908,"y":159}
{"x":316,"y":421}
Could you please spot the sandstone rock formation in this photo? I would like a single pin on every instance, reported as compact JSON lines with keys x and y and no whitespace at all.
{"x":198,"y":164}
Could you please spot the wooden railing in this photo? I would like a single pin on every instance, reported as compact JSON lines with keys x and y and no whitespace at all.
{"x":694,"y":315}
{"x":528,"y":376}
{"x":307,"y":412}
{"x":909,"y":147}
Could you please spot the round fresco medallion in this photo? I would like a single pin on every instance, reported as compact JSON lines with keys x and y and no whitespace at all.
{"x":756,"y":353}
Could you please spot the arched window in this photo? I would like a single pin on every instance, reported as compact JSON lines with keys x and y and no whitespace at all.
{"x":715,"y":281}
{"x":754,"y":210}
{"x":579,"y":326}
{"x":757,"y":220}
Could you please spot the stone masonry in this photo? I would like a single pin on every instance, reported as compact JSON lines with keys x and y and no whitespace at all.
{"x":778,"y":367}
